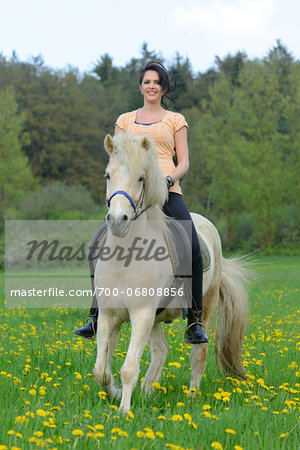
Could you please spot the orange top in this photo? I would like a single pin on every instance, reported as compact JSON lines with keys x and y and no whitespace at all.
{"x":162,"y":133}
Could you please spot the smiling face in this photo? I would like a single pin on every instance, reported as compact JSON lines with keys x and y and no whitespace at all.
{"x":151,"y":86}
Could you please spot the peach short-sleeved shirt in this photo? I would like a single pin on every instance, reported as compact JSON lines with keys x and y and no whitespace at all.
{"x":162,"y":133}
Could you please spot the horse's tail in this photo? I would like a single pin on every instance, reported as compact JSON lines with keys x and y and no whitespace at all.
{"x":235,"y":310}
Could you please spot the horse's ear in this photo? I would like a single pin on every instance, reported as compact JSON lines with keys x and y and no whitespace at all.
{"x":145,"y":143}
{"x":109,"y":144}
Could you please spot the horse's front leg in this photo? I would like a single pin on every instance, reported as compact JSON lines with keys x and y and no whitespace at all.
{"x":159,"y":352}
{"x":107,"y":335}
{"x":142,"y":321}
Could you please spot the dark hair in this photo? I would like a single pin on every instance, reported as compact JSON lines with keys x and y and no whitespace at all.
{"x":163,"y":76}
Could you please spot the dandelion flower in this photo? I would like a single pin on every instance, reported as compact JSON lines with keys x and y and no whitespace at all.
{"x":38,"y":433}
{"x":230,"y":431}
{"x":188,"y":417}
{"x":177,"y":418}
{"x":77,"y":433}
{"x":216,"y":445}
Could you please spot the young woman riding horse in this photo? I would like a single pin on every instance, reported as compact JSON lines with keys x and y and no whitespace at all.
{"x":169,"y":132}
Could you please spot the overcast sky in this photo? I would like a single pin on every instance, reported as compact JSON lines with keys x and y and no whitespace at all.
{"x":78,"y":32}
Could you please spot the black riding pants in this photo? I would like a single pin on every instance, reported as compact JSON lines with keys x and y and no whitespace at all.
{"x":176,"y":208}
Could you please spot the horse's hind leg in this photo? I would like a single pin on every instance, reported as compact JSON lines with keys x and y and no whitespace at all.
{"x":198,"y":358}
{"x":107,"y":335}
{"x":142,"y":322}
{"x":159,"y":351}
{"x":199,"y":352}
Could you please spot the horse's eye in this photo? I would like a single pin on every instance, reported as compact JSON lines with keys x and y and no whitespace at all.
{"x":141,"y":179}
{"x":106,"y":175}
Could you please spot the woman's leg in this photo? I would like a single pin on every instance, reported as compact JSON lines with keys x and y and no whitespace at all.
{"x":176,"y":208}
{"x":89,"y":330}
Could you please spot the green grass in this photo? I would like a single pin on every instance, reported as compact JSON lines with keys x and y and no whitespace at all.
{"x":47,"y":387}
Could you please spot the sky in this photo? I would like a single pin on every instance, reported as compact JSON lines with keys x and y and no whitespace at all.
{"x":78,"y":32}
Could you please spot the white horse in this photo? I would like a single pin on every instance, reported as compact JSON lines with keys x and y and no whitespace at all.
{"x":129,"y":287}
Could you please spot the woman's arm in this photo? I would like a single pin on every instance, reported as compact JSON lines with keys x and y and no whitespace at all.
{"x":182,"y":153}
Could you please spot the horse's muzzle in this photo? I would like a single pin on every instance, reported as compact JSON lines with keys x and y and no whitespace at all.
{"x":118,"y":226}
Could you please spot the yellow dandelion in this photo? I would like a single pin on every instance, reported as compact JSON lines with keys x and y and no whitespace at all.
{"x":99,"y":426}
{"x":38,"y":433}
{"x":206,"y":407}
{"x":32,"y":392}
{"x":140,"y":434}
{"x":78,"y":376}
{"x":290,"y":403}
{"x":149,"y":433}
{"x":98,"y":435}
{"x":188,"y":417}
{"x":130,"y":414}
{"x":218,"y":397}
{"x":90,"y":434}
{"x":238,"y":447}
{"x":177,"y":418}
{"x":41,"y":412}
{"x":77,"y":433}
{"x":230,"y":431}
{"x":180,"y":404}
{"x":175,"y":364}
{"x":216,"y":445}
{"x":159,"y":434}
{"x":283,"y":435}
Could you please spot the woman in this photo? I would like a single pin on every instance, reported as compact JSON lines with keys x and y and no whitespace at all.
{"x":169,"y":132}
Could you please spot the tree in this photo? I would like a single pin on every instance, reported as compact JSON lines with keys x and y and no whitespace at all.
{"x":219,"y":139}
{"x":260,"y":105}
{"x":15,"y":173}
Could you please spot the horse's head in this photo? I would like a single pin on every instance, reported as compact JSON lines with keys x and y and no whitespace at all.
{"x":134,"y":180}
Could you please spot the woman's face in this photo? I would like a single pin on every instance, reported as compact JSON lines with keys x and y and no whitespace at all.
{"x":151,"y":87}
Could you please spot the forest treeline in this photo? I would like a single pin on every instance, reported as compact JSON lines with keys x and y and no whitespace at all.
{"x":244,"y":141}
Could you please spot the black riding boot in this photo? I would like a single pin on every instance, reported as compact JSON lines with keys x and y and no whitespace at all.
{"x":194,"y":333}
{"x":89,"y":331}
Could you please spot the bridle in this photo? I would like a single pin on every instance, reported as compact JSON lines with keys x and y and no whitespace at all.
{"x":137,"y":207}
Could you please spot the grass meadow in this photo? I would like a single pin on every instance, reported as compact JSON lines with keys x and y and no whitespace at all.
{"x":49,"y":398}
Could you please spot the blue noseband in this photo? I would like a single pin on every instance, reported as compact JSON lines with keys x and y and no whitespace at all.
{"x":126,"y":195}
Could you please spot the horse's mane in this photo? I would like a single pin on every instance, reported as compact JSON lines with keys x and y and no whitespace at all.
{"x":139,"y":155}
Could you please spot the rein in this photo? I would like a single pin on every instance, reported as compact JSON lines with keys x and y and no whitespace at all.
{"x":138,"y":208}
